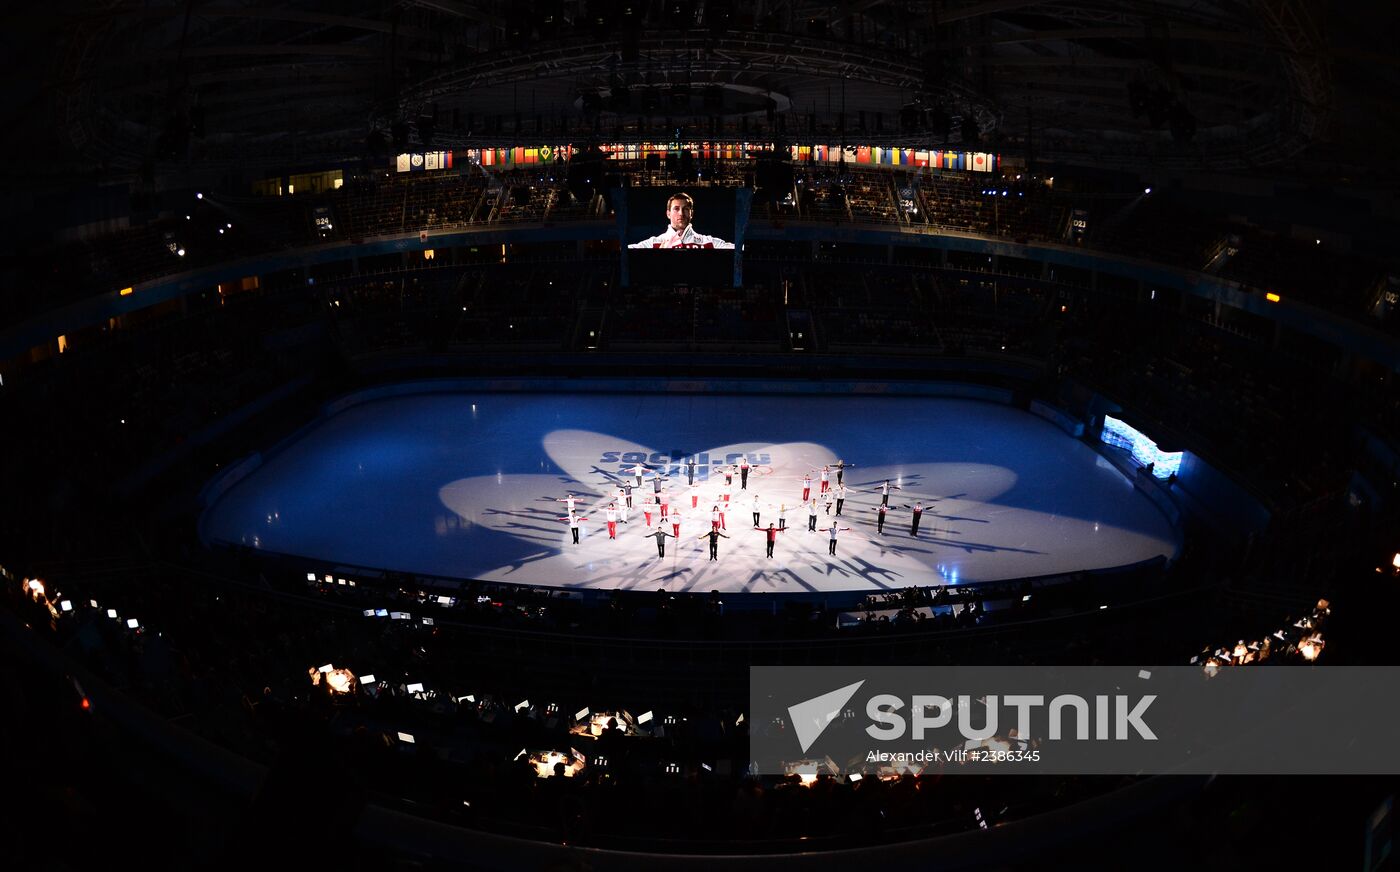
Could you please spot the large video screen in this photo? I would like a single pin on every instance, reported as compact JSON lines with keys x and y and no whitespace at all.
{"x":677,"y":235}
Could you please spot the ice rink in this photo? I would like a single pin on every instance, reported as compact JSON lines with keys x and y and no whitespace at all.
{"x":470,"y":486}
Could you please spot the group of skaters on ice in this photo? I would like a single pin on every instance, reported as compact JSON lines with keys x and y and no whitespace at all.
{"x":657,"y":502}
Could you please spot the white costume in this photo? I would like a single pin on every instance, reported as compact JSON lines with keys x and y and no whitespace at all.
{"x":685,"y":239}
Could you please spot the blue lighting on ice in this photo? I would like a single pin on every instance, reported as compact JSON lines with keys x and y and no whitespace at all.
{"x":1118,"y":434}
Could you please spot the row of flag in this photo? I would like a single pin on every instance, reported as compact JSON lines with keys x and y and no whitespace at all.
{"x":864,"y":155}
{"x":874,"y":155}
{"x":414,"y":162}
{"x":504,"y":158}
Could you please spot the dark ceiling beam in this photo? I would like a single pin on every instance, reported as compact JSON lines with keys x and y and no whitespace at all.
{"x":461,"y":10}
{"x":1103,"y":63}
{"x":359,"y":52}
{"x":282,"y":92}
{"x":329,"y":72}
{"x":250,"y":50}
{"x":1008,"y":87}
{"x":340,"y":76}
{"x":277,"y":112}
{"x":773,"y":54}
{"x":1076,"y":34}
{"x":855,"y":9}
{"x":263,"y":13}
{"x":977,"y":10}
{"x":1015,"y":95}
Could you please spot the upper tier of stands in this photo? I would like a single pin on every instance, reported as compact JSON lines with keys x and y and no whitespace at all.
{"x":1158,"y":228}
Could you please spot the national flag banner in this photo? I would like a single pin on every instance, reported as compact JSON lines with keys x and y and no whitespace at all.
{"x":431,"y":160}
{"x":546,"y":153}
{"x":952,"y":160}
{"x":518,"y":155}
{"x":403,"y":163}
{"x":863,"y":154}
{"x":979,"y":162}
{"x":447,"y":158}
{"x":532,"y":155}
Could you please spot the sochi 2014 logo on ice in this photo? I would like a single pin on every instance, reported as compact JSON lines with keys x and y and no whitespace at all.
{"x":676,"y":463}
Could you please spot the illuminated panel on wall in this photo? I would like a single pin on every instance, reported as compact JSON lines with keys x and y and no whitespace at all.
{"x":1118,"y":434}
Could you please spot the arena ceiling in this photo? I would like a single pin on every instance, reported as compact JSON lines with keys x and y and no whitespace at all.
{"x":1144,"y":85}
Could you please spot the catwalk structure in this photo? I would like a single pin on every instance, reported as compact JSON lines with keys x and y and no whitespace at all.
{"x":475,"y":486}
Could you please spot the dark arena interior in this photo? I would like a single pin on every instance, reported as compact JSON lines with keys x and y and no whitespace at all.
{"x":336,"y":339}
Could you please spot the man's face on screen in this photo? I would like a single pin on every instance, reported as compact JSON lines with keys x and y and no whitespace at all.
{"x":679,"y":213}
